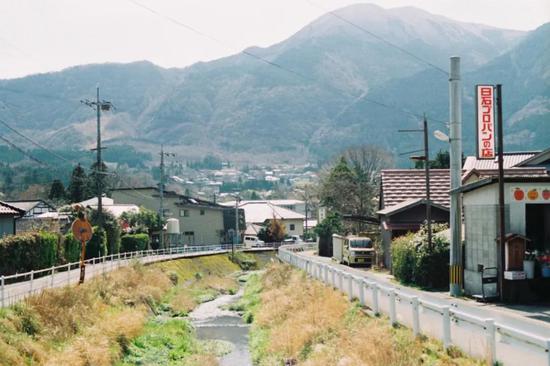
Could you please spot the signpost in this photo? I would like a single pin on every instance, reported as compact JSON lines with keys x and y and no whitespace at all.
{"x":82,"y":231}
{"x":485,"y":129}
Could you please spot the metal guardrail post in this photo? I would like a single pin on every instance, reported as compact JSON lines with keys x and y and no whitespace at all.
{"x":375,"y":306}
{"x":393,"y":316}
{"x":415,"y":316}
{"x":350,"y":287}
{"x":548,"y":352}
{"x":446,"y":327}
{"x":52,"y":276}
{"x":340,"y":281}
{"x":333,"y":282}
{"x":68,"y":274}
{"x":361,"y":285}
{"x":491,"y":341}
{"x":32,"y":280}
{"x":2,"y":283}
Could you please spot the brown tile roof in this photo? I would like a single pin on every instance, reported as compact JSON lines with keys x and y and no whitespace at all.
{"x":7,"y":209}
{"x":399,"y":185}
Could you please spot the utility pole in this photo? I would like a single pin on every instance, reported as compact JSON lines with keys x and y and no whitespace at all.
{"x":426,"y":159}
{"x":99,"y":106}
{"x":427,"y":173}
{"x":455,"y":114}
{"x":501,"y":212}
{"x":161,"y":193}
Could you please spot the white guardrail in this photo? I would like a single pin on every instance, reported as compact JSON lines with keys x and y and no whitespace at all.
{"x":479,"y":337}
{"x":14,"y":288}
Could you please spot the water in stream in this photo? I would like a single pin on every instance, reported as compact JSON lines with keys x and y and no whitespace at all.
{"x":213,"y":322}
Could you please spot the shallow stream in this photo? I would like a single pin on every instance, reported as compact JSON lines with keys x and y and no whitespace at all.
{"x":213,"y":322}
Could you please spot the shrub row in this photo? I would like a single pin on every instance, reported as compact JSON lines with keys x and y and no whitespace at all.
{"x":414,"y":262}
{"x":22,"y":253}
{"x":134,"y":242}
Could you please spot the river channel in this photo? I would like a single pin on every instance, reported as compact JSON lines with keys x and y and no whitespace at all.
{"x":213,"y":322}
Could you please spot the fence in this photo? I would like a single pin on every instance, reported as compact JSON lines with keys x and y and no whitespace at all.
{"x":14,"y":288}
{"x":476,"y":336}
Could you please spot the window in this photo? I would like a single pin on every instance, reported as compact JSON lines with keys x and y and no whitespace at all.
{"x":202,"y":212}
{"x":189,"y":233}
{"x":292,"y":227}
{"x":184,"y":213}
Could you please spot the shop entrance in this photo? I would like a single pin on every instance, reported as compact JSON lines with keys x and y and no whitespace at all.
{"x":537,"y":227}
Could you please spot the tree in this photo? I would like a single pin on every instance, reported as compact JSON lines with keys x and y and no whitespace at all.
{"x":57,"y":191}
{"x":99,"y":178}
{"x":332,"y":224}
{"x":274,"y":231}
{"x":78,"y":185}
{"x":351,"y":185}
{"x":441,"y":161}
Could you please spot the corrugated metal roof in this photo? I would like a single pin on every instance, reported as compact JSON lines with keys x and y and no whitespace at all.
{"x":399,"y":185}
{"x":510,"y":160}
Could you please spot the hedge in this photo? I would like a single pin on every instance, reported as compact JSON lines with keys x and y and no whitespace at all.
{"x":413,"y":261}
{"x":97,"y":246}
{"x":71,"y":248}
{"x":26,"y":252}
{"x":134,"y":242}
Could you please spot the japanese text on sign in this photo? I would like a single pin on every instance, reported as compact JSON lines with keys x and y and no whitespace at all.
{"x":485,"y":122}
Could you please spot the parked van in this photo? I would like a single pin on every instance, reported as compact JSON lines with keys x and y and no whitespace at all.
{"x":352,"y":249}
{"x":250,"y":241}
{"x":293,"y":239}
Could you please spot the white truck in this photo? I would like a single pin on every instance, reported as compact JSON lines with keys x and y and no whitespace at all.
{"x":352,"y":249}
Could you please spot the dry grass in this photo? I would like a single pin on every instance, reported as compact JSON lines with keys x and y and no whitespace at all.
{"x":304,"y":321}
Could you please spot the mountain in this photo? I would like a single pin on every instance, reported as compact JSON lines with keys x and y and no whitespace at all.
{"x":309,"y":103}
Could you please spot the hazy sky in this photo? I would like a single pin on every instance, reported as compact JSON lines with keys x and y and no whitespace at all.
{"x":46,"y":35}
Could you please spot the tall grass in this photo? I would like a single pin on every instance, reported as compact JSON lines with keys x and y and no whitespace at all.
{"x":94,"y":324}
{"x":303,"y":322}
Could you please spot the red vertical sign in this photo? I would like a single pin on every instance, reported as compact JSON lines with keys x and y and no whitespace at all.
{"x":485,"y":129}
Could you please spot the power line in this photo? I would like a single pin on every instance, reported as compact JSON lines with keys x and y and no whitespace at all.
{"x":274,"y":64}
{"x":23,"y":151}
{"x":381,"y":39}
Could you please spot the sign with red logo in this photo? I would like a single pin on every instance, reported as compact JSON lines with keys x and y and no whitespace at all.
{"x":485,"y":121}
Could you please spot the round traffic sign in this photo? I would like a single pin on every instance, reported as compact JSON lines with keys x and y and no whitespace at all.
{"x":82,"y":230}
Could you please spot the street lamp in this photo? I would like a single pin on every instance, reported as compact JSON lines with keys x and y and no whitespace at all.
{"x":441,"y":136}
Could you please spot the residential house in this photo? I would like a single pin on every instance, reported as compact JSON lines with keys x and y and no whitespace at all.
{"x":39,"y":215}
{"x":260,"y":212}
{"x":201,"y":222}
{"x":109,"y":205}
{"x":402,"y":204}
{"x":8,"y":216}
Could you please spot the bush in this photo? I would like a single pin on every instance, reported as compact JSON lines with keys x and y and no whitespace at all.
{"x":97,"y":246}
{"x":72,"y":248}
{"x":403,"y":257}
{"x":25,"y":252}
{"x":245,"y":261}
{"x":413,"y":261}
{"x":134,"y":242}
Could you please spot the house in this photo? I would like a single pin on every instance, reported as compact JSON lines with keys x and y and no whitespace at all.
{"x":200,"y":221}
{"x":8,"y":216}
{"x":402,"y":204}
{"x":258,"y":212}
{"x":33,"y":208}
{"x":38,"y":215}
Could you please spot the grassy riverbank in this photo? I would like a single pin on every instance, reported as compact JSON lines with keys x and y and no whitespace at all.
{"x":129,"y":316}
{"x":302,"y":322}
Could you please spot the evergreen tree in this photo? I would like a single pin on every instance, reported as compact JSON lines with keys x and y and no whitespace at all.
{"x":98,"y":177}
{"x":57,"y":191}
{"x":78,"y":186}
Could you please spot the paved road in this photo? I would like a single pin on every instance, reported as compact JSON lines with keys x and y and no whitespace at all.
{"x":18,"y":291}
{"x":515,"y":318}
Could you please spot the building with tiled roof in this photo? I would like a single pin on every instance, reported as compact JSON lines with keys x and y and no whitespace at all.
{"x":8,"y":214}
{"x":398,"y":185}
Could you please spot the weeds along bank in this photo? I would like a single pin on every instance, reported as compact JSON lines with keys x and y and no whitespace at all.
{"x":134,"y":315}
{"x":299,"y":321}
